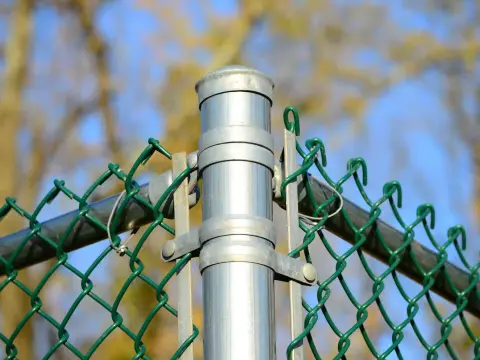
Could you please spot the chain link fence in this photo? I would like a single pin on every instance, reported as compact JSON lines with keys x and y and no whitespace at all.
{"x":319,"y":199}
{"x":314,"y":157}
{"x":36,"y":237}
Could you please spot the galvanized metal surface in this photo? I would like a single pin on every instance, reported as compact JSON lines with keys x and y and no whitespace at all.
{"x":294,"y":241}
{"x":238,"y":297}
{"x":184,"y":275}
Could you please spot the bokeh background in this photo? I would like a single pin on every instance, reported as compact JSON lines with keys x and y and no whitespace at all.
{"x":86,"y":83}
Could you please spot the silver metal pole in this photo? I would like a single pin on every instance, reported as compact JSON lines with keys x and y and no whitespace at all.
{"x":236,"y":162}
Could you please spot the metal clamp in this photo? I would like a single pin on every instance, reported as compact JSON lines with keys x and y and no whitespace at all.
{"x":247,"y":240}
{"x":216,"y":227}
{"x":236,"y":134}
{"x":246,"y":249}
{"x":181,"y":245}
{"x":238,"y":225}
{"x":236,"y":143}
{"x":238,"y":238}
{"x":236,"y":151}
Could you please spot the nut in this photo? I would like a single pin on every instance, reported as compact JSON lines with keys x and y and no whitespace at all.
{"x":168,"y":250}
{"x":309,"y":273}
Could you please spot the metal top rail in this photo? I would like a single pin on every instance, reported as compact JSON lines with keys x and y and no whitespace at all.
{"x":135,"y":215}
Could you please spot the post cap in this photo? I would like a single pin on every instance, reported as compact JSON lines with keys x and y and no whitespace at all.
{"x":233,"y":78}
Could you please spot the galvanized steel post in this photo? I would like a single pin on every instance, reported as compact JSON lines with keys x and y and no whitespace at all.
{"x":236,"y":162}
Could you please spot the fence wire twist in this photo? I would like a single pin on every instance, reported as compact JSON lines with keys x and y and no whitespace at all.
{"x":315,"y":158}
{"x":87,"y":285}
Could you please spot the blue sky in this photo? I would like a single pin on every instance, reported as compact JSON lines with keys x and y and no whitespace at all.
{"x":408,"y":114}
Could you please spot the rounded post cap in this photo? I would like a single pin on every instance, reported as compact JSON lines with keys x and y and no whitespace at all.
{"x":233,"y":78}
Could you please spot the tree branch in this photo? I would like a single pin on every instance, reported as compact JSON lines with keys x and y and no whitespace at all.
{"x":15,"y":304}
{"x":44,"y":150}
{"x":98,"y":48}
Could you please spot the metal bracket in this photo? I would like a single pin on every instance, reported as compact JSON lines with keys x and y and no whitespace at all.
{"x":181,"y":245}
{"x":217,"y":227}
{"x":238,"y":225}
{"x":246,"y":249}
{"x":238,"y":238}
{"x":245,"y":243}
{"x":278,"y":176}
{"x":160,"y":183}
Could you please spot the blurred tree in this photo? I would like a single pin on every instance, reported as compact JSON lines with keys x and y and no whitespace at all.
{"x":331,"y":59}
{"x":454,"y":56}
{"x":25,"y":163}
{"x":309,"y":37}
{"x":14,"y":304}
{"x":97,"y":47}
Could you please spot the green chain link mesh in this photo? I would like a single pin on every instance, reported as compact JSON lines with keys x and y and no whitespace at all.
{"x":392,"y":194}
{"x":87,"y":285}
{"x":315,"y":157}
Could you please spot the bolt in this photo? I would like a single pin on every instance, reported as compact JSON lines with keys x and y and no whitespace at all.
{"x":168,"y":249}
{"x":309,"y":272}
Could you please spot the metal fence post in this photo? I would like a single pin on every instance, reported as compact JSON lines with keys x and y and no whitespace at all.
{"x":236,"y":162}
